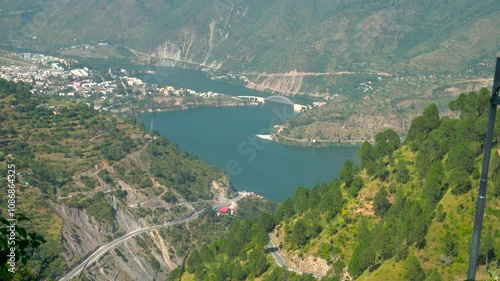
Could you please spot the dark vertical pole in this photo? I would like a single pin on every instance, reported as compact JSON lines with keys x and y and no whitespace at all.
{"x":481,"y":199}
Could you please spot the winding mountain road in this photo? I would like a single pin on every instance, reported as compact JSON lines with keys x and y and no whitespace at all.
{"x":274,"y":251}
{"x":105,"y":248}
{"x":280,"y":261}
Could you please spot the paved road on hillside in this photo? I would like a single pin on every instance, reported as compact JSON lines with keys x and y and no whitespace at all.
{"x":105,"y":248}
{"x":280,"y":261}
{"x":274,"y":251}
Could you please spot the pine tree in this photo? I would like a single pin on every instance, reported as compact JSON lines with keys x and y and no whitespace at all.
{"x":347,"y":172}
{"x":257,"y":263}
{"x":433,"y":275}
{"x":402,"y":173}
{"x":357,"y":184}
{"x":301,"y":199}
{"x":380,"y":202}
{"x":299,"y":233}
{"x":237,"y":273}
{"x":412,"y":269}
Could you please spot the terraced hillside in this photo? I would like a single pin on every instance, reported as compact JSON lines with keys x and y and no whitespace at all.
{"x":86,"y":179}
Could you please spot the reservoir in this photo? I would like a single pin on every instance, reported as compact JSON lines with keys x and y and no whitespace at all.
{"x":225,"y":137}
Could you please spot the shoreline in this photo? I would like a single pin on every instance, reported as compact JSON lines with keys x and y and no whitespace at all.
{"x":191,"y":106}
{"x":278,"y":138}
{"x":304,"y":142}
{"x":274,"y":137}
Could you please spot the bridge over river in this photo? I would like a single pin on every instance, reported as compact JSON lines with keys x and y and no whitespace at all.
{"x":280,"y":99}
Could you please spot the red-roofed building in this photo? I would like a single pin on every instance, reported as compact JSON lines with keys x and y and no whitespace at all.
{"x":223,"y":210}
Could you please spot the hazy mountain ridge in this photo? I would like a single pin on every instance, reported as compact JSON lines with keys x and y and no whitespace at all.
{"x":409,"y":50}
{"x":277,"y":36}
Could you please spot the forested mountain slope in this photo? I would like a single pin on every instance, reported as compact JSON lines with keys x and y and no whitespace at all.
{"x":270,"y":36}
{"x":405,"y":214}
{"x":376,"y":63}
{"x":86,"y":178}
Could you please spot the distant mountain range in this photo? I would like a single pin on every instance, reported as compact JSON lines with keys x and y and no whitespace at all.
{"x":271,"y":36}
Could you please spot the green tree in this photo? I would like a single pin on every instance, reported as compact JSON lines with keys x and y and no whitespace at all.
{"x":402,"y":173}
{"x":257,"y":263}
{"x":496,"y":190}
{"x":364,"y":253}
{"x":298,"y":236}
{"x":386,"y":142}
{"x":472,"y":104}
{"x":422,"y":163}
{"x":193,"y":261}
{"x":459,"y":180}
{"x":266,"y":222}
{"x":315,"y":195}
{"x":332,"y":200}
{"x":433,"y":187}
{"x":412,"y":269}
{"x":462,"y":157}
{"x":346,"y":174}
{"x":383,"y":243}
{"x":433,"y":275}
{"x":487,"y":246}
{"x":440,"y":213}
{"x":357,"y":184}
{"x":414,"y":222}
{"x":206,"y":254}
{"x":286,"y":210}
{"x":219,"y":274}
{"x":421,"y":126}
{"x":366,"y":258}
{"x":366,"y":153}
{"x":301,"y":199}
{"x":380,"y":202}
{"x":449,"y":247}
{"x":237,"y":273}
{"x":24,"y":246}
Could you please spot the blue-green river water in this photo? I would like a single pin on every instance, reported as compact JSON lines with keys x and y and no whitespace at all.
{"x":225,"y":137}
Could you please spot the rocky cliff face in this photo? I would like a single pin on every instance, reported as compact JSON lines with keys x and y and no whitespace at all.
{"x":80,"y":232}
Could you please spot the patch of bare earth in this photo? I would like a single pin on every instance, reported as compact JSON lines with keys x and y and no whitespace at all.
{"x":364,"y":204}
{"x":355,"y":130}
{"x":309,"y":264}
{"x":462,"y":87}
{"x":285,"y":83}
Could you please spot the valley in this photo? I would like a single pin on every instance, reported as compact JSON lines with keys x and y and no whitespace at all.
{"x":327,"y":49}
{"x":247,"y":140}
{"x":94,"y":187}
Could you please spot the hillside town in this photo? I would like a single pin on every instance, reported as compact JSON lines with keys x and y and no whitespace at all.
{"x":114,"y":90}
